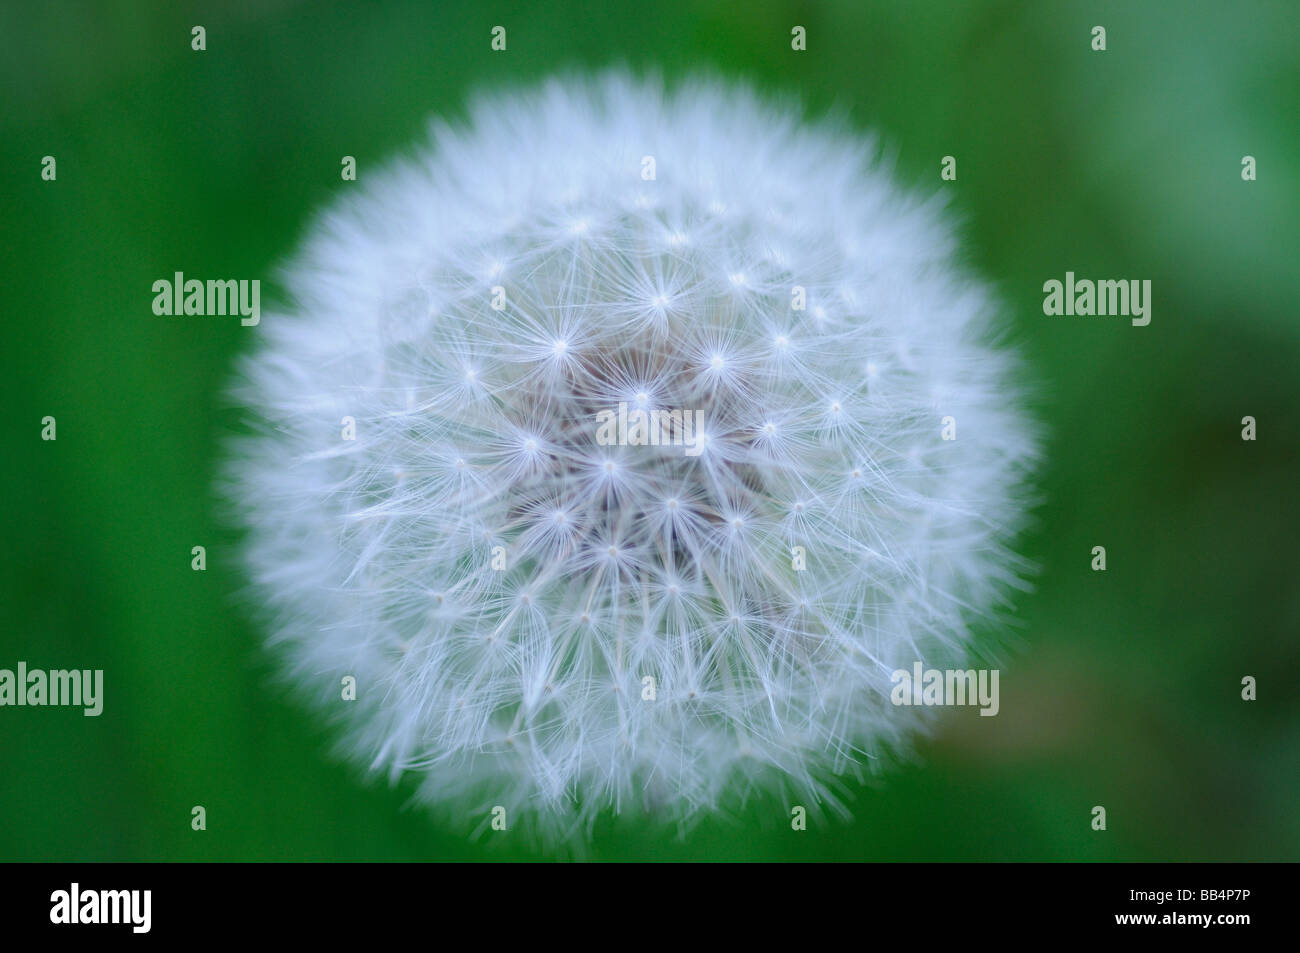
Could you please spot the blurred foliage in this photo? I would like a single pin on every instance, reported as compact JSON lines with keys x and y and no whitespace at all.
{"x":1125,"y":688}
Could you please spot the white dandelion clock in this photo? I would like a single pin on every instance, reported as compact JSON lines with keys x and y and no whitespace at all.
{"x":621,"y":445}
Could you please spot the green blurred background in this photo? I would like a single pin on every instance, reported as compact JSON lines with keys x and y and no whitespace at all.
{"x":1125,"y":690}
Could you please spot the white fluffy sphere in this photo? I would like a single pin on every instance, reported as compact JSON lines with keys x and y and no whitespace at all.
{"x":555,"y":618}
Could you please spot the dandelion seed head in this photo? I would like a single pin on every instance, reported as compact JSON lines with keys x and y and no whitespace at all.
{"x":500,"y":584}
